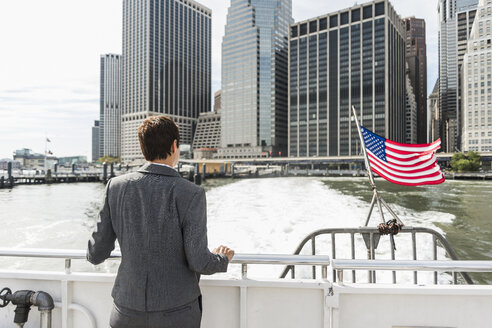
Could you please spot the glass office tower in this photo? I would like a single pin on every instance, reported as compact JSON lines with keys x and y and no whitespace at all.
{"x":254,"y":78}
{"x":354,"y":57}
{"x":166,"y":67}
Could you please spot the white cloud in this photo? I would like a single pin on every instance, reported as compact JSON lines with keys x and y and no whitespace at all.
{"x":49,"y":63}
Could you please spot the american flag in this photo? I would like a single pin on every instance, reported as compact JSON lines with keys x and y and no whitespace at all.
{"x":404,"y":164}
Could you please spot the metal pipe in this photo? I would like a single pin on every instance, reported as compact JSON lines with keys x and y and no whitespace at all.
{"x":393,"y":214}
{"x":370,"y":209}
{"x":45,"y":319}
{"x":378,"y":201}
{"x":363,"y":146}
{"x":67,"y":254}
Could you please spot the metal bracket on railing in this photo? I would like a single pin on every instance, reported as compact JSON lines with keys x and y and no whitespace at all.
{"x":244,"y":270}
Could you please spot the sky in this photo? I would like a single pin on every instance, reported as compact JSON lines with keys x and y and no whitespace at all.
{"x":49,"y":64}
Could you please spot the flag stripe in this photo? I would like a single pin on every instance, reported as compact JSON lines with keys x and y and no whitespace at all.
{"x":409,"y":147}
{"x":401,"y":167}
{"x":391,"y":154}
{"x":405,"y":182}
{"x":405,"y":154}
{"x":409,"y":162}
{"x":425,"y":174}
{"x":402,"y":172}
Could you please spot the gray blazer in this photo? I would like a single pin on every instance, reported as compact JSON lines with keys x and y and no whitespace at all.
{"x":160,"y":221}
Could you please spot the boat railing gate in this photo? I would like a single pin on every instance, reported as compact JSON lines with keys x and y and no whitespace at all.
{"x":371,"y":237}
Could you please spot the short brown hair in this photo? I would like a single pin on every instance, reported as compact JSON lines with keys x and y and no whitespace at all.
{"x":156,"y":135}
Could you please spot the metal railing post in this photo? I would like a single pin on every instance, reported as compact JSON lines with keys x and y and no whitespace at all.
{"x":313,"y":252}
{"x":340,"y":276}
{"x":244,"y":270}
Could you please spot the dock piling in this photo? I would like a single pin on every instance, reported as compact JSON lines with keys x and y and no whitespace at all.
{"x":105,"y":172}
{"x":48,"y":177}
{"x":9,"y":169}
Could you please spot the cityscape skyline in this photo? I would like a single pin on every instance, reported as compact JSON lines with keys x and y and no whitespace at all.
{"x":50,"y":95}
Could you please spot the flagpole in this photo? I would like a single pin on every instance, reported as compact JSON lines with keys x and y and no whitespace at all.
{"x":45,"y":151}
{"x":376,"y":199}
{"x":363,"y":146}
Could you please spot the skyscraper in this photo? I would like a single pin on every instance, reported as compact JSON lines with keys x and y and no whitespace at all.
{"x":166,"y":66}
{"x":416,"y":55}
{"x":410,"y":112}
{"x":110,"y":106}
{"x":217,"y":100}
{"x":434,"y":122}
{"x":477,"y":83}
{"x":95,"y":141}
{"x":353,"y":57}
{"x":455,"y":23}
{"x":254,"y":78}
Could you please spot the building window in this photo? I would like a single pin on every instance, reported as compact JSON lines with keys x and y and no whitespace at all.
{"x":334,"y":21}
{"x":344,"y":18}
{"x":367,"y":12}
{"x":303,"y":30}
{"x":313,"y":26}
{"x":379,"y":9}
{"x":355,"y":15}
{"x":293,"y":31}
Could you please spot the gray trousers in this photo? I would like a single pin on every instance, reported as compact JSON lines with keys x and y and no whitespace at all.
{"x":184,"y":316}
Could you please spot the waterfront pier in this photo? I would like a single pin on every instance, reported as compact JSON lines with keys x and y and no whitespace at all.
{"x":198,"y":171}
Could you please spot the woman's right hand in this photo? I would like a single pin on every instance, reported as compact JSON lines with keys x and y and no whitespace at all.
{"x":224,"y":250}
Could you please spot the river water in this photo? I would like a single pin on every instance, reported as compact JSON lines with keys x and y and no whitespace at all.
{"x":264,"y":216}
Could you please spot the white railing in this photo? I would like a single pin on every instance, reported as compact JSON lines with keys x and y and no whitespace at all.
{"x":410,"y":265}
{"x":243,"y":259}
{"x":324,"y":262}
